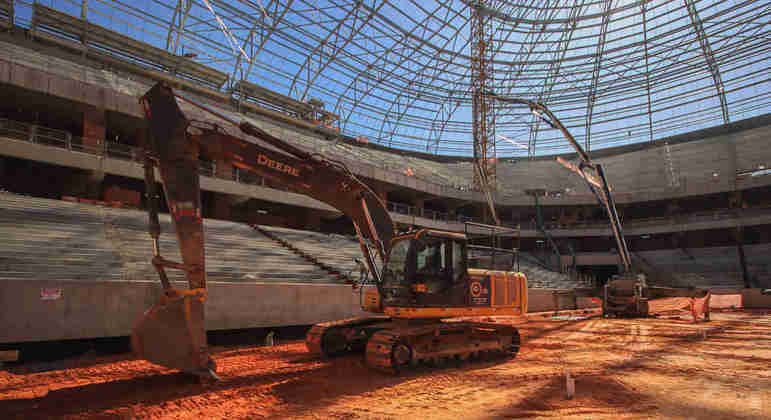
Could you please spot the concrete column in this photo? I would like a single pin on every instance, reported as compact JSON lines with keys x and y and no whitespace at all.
{"x":419,"y":205}
{"x":380,"y":191}
{"x":673,"y":208}
{"x":312,"y":221}
{"x":735,"y":200}
{"x":87,"y":184}
{"x":94,"y":127}
{"x":94,"y":133}
{"x":94,"y":190}
{"x":566,"y":216}
{"x":482,"y":213}
{"x":142,"y":143}
{"x":223,"y":207}
{"x":223,"y":169}
{"x":739,"y":234}
{"x":452,"y":211}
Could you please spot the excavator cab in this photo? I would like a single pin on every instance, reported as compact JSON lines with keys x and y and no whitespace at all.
{"x":426,"y":268}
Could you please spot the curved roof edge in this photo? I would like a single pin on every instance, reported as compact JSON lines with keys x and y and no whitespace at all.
{"x":722,"y":129}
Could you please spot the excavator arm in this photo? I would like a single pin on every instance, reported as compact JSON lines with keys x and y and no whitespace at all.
{"x":172,"y":332}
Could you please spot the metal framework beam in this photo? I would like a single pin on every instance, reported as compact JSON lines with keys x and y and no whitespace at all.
{"x":265,"y":35}
{"x":419,"y":78}
{"x":708,"y":57}
{"x":439,"y":124}
{"x":409,"y":65}
{"x":554,"y":70}
{"x":319,"y":49}
{"x":84,"y":10}
{"x":644,"y":10}
{"x":177,"y":24}
{"x":596,"y":73}
{"x":11,"y":14}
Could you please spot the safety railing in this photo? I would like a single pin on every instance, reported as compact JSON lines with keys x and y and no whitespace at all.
{"x":62,"y":139}
{"x":207,"y":168}
{"x":37,"y":134}
{"x":680,"y":218}
{"x":405,"y":209}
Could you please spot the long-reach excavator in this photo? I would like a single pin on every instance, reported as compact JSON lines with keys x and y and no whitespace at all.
{"x":628,"y":293}
{"x":421,"y":278}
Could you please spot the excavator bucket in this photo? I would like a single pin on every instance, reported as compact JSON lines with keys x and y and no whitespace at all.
{"x":171,"y":334}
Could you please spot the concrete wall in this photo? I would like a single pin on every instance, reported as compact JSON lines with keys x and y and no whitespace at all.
{"x":542,"y":300}
{"x":539,"y":300}
{"x":740,"y":298}
{"x":106,"y":309}
{"x":753,"y":299}
{"x":129,"y":169}
{"x":706,"y":163}
{"x":637,"y":173}
{"x":89,"y":309}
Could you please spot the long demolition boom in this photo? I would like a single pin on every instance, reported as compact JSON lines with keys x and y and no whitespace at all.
{"x":589,"y":171}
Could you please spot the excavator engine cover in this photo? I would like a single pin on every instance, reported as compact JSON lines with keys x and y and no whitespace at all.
{"x":172,"y":334}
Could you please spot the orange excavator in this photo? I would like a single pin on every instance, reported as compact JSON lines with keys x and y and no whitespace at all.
{"x":421,"y":278}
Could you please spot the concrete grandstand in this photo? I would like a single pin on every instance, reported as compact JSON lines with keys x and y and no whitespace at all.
{"x":695,"y":205}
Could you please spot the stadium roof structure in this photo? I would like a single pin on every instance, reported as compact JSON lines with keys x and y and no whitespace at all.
{"x":399,"y":72}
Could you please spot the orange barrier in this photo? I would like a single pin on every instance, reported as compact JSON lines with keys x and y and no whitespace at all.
{"x":726,"y":301}
{"x":700,"y":307}
{"x":697,"y":307}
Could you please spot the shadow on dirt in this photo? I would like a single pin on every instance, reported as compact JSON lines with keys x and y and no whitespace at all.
{"x":320,"y":381}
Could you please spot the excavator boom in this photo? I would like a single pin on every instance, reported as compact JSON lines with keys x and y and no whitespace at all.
{"x":172,"y":332}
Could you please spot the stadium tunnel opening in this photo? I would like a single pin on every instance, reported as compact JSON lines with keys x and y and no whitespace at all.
{"x":600,"y":274}
{"x":52,"y":355}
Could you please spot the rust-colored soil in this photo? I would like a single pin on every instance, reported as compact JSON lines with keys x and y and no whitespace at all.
{"x":651,"y":368}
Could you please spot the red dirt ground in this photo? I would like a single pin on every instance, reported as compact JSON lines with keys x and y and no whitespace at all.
{"x":650,"y":368}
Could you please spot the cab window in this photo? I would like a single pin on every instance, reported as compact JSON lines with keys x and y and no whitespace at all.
{"x":398,"y":262}
{"x":431,"y":257}
{"x":458,"y":266}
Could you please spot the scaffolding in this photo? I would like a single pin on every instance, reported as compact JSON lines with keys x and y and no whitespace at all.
{"x":483,"y":112}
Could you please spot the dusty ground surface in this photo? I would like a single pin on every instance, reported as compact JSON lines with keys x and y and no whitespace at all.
{"x":652,"y":368}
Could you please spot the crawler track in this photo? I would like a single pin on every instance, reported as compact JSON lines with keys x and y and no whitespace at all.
{"x":401,"y":347}
{"x":335,"y":338}
{"x":394,"y":346}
